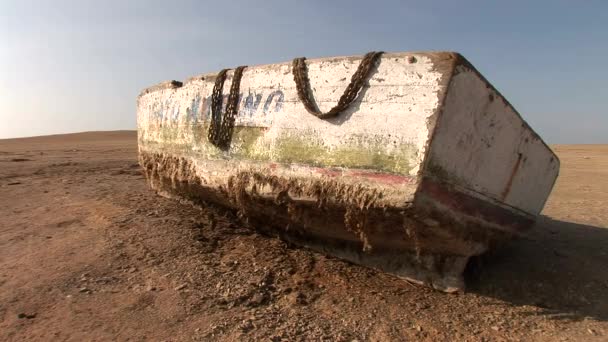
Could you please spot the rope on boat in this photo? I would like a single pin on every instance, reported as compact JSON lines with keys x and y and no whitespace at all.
{"x":300,"y":76}
{"x":221,"y":126}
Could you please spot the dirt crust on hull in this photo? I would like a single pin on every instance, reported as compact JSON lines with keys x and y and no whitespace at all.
{"x":344,"y":220}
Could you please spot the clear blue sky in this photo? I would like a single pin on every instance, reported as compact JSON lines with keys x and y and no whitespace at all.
{"x":68,"y":66}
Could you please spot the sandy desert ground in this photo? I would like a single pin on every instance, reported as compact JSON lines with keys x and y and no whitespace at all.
{"x":88,"y":252}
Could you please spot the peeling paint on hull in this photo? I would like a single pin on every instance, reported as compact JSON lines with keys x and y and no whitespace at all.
{"x":381,"y":184}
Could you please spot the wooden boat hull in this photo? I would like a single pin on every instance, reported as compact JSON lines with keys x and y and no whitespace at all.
{"x":429,"y":166}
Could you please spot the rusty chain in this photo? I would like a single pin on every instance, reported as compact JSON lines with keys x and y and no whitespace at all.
{"x":300,"y":76}
{"x":222,"y":126}
{"x":216,"y":106}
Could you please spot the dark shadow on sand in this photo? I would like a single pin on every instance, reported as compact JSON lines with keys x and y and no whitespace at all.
{"x":561,"y":267}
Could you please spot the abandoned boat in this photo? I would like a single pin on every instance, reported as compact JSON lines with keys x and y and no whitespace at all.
{"x":411,"y":163}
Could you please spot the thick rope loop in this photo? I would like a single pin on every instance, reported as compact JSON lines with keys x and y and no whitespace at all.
{"x":300,"y":76}
{"x":221,"y":126}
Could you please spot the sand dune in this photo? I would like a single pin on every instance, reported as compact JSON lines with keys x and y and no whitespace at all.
{"x":88,"y":252}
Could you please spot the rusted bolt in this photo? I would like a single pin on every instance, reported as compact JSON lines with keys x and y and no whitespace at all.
{"x":412,"y":59}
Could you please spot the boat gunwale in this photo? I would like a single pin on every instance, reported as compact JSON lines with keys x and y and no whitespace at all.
{"x":210,"y":76}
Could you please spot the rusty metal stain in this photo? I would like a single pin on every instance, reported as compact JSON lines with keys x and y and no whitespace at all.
{"x":507,"y":189}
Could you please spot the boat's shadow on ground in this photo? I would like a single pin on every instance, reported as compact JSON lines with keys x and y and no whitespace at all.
{"x":561,"y":267}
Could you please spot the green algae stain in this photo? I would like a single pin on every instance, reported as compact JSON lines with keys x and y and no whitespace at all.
{"x":168,"y":133}
{"x":247,"y":143}
{"x":359,"y":152}
{"x":199,"y":135}
{"x":299,"y":147}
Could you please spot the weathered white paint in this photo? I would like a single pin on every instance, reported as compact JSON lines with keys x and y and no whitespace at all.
{"x":476,"y":143}
{"x":478,"y":140}
{"x":402,"y":94}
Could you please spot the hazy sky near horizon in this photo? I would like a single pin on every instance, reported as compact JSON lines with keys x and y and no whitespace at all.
{"x":68,"y":66}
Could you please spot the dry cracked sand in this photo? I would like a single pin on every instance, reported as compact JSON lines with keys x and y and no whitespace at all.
{"x":88,"y":252}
